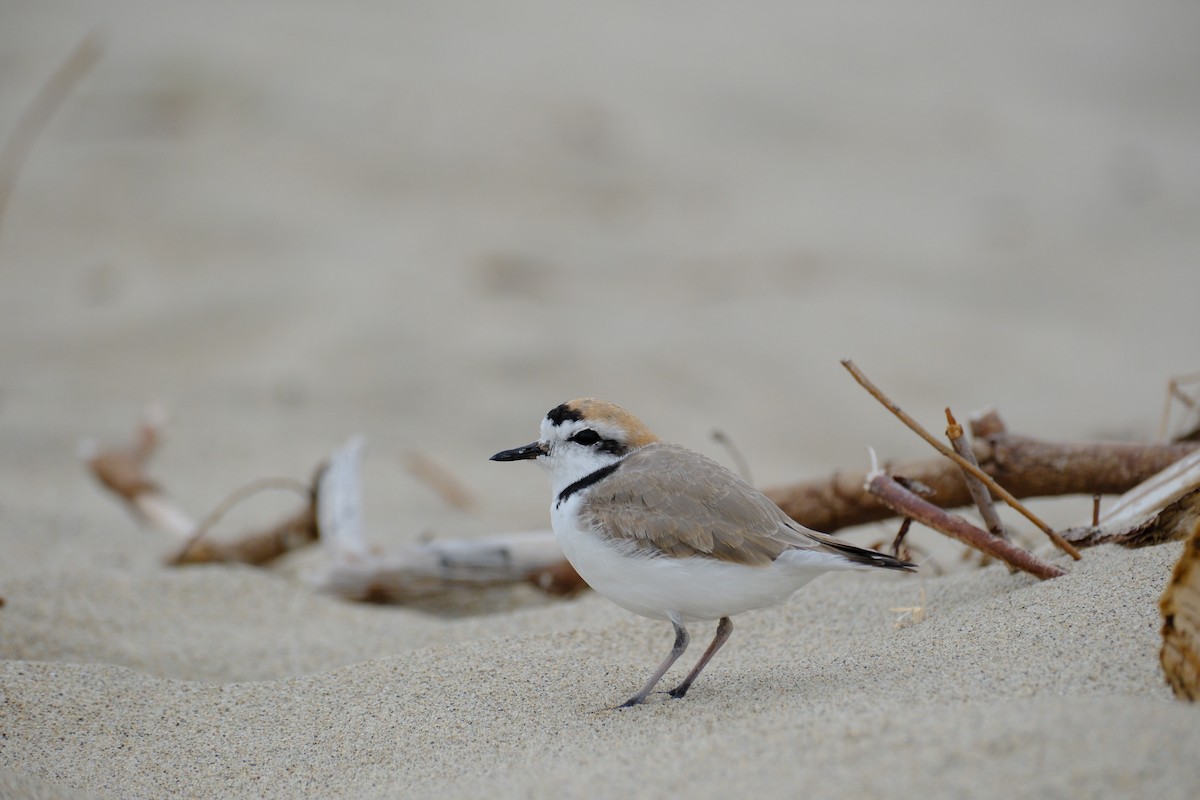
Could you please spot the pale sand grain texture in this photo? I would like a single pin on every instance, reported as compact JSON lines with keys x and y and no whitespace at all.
{"x":293,"y":222}
{"x":1049,"y":688}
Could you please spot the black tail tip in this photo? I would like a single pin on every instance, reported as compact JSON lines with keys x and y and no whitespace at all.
{"x":890,"y":562}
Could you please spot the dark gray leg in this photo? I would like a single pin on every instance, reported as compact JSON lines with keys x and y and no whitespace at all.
{"x":724,"y":628}
{"x":681,"y":643}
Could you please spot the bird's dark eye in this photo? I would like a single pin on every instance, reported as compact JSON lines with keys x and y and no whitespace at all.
{"x":586,"y":437}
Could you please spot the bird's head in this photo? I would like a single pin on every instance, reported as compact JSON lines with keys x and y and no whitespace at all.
{"x":580,"y":437}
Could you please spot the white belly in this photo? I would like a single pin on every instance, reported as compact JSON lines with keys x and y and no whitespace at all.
{"x":655,"y":587}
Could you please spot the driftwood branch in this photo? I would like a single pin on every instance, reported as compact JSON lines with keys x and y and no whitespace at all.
{"x":332,"y":513}
{"x":963,"y":463}
{"x":1163,"y":508}
{"x":124,"y":472}
{"x":418,"y":572}
{"x":445,"y":567}
{"x":1153,"y":511}
{"x":1028,"y":467}
{"x":1171,"y":523}
{"x":1180,"y":605}
{"x":910,"y":506}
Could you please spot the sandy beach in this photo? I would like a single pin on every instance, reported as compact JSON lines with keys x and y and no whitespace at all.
{"x":292,"y":223}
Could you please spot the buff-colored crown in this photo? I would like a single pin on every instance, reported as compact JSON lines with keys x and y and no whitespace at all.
{"x":610,"y":414}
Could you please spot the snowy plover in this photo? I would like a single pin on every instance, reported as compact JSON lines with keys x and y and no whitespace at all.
{"x":668,"y":533}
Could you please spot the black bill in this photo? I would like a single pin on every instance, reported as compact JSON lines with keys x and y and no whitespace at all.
{"x":520,"y":453}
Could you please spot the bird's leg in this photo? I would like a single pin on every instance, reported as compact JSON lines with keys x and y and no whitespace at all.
{"x":681,"y":643}
{"x":724,"y":628}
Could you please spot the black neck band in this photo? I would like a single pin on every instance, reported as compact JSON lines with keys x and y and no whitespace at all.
{"x":586,"y":481}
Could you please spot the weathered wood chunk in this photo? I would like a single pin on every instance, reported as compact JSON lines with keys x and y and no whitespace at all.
{"x":1180,"y":605}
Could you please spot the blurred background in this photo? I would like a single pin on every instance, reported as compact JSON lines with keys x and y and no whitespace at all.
{"x":431,"y":222}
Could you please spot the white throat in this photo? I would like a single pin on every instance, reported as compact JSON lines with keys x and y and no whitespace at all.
{"x":568,"y":461}
{"x":568,"y":464}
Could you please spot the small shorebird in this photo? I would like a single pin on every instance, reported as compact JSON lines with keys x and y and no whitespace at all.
{"x":670,"y":534}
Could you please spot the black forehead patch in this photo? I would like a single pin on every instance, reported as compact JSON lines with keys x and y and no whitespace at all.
{"x":560,"y":414}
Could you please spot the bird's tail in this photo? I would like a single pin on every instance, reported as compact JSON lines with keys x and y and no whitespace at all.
{"x":860,"y":555}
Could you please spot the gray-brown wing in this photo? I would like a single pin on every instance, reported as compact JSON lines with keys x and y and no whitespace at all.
{"x":666,"y":499}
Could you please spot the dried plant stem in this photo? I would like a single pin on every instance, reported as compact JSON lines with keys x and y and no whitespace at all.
{"x":257,"y":548}
{"x":909,"y":505}
{"x":1174,"y":393}
{"x":901,"y":534}
{"x":122,"y":470}
{"x":15,"y":149}
{"x":743,"y":466}
{"x":979,"y":492}
{"x":987,"y":480}
{"x":448,"y":487}
{"x":191,"y":550}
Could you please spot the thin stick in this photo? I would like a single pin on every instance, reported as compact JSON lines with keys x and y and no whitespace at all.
{"x":122,"y":470}
{"x":720,"y":437}
{"x":979,"y":492}
{"x":237,"y":496}
{"x":904,"y":502}
{"x":1164,"y":422}
{"x":995,"y":488}
{"x":898,"y":542}
{"x":258,"y":548}
{"x":448,"y":487}
{"x":1174,"y":392}
{"x":15,"y":150}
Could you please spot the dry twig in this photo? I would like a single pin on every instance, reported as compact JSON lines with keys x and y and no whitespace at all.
{"x":979,"y":492}
{"x":898,"y":542}
{"x":448,"y":487}
{"x":16,"y":148}
{"x":743,"y":466}
{"x":908,"y":504}
{"x":1176,"y":394}
{"x":260,"y":547}
{"x":911,"y":615}
{"x":122,"y":470}
{"x":966,"y":465}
